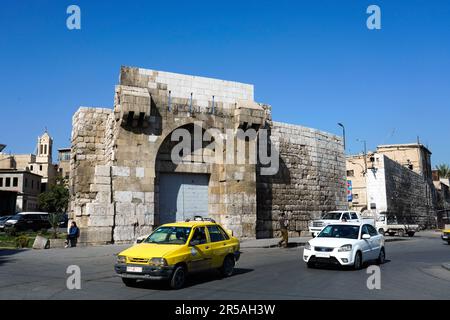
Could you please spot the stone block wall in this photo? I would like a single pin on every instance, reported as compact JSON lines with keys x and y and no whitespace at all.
{"x":311,"y":180}
{"x":409,"y":195}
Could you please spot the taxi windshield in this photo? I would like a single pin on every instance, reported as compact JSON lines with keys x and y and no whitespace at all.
{"x":169,"y":235}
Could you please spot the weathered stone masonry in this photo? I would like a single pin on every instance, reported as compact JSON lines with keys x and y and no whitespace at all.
{"x":118,"y":157}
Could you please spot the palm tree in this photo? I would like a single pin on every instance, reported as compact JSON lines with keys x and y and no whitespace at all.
{"x":443,"y":170}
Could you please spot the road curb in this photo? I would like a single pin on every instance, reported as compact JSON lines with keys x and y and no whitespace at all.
{"x":446,"y":266}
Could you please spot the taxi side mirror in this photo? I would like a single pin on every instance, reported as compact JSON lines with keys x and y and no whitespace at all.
{"x":230,"y":232}
{"x":365,"y":236}
{"x":194,"y":243}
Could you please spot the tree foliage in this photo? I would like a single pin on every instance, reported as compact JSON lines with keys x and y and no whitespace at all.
{"x":443,"y":170}
{"x":55,"y":200}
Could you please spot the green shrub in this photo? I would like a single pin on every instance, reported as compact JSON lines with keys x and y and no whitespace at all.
{"x":11,"y":231}
{"x":22,"y":242}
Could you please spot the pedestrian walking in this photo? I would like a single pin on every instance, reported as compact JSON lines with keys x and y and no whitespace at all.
{"x":284,"y":223}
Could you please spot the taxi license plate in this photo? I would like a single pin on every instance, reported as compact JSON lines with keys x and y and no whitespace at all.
{"x":134,"y":269}
{"x":322,"y":255}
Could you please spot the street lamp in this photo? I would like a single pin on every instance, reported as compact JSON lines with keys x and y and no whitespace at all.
{"x":343,"y":133}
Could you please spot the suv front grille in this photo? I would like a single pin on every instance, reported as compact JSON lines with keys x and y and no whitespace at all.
{"x":317,"y":224}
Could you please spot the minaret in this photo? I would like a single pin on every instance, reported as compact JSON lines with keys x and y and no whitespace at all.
{"x":44,"y":149}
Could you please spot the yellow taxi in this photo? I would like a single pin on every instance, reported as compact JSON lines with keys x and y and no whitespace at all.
{"x":446,"y":235}
{"x":173,"y":250}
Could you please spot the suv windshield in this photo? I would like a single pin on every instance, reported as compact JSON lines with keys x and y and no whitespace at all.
{"x":169,"y":235}
{"x":332,"y":216}
{"x":340,"y":231}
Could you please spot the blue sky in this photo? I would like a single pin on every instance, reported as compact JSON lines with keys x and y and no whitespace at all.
{"x":315,"y":62}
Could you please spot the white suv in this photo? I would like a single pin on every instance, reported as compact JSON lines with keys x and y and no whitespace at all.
{"x":315,"y":226}
{"x":345,"y":244}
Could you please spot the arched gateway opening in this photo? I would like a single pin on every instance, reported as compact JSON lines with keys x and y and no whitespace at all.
{"x":182,"y":188}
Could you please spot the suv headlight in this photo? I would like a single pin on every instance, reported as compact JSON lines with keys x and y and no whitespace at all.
{"x":307,"y":246}
{"x":121,"y":259}
{"x":345,"y":248}
{"x":160,"y":262}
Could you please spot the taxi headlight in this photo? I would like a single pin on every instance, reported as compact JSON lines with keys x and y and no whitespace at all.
{"x":160,"y":262}
{"x":345,"y":248}
{"x":307,"y":246}
{"x":121,"y":259}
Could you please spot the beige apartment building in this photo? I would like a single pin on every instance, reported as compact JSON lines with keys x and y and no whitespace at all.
{"x":39,"y":163}
{"x":395,"y":179}
{"x":64,"y":164}
{"x":19,"y":191}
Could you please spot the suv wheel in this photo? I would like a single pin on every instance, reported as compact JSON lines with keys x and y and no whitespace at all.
{"x":228,"y":266}
{"x":178,"y":278}
{"x":401,"y":233}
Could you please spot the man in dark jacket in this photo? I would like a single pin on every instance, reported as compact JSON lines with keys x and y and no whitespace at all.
{"x":284,"y":223}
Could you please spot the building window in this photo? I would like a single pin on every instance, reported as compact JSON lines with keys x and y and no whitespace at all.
{"x":350,"y":173}
{"x":26,"y":183}
{"x":45,"y":149}
{"x":40,"y":167}
{"x":32,"y":184}
{"x":15,"y":182}
{"x":42,"y":149}
{"x":356,"y":196}
{"x":8,"y":182}
{"x":1,"y":182}
{"x":31,"y":167}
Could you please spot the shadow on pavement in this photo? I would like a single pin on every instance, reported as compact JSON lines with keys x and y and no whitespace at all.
{"x":192,"y":280}
{"x":347,"y":268}
{"x":5,"y":255}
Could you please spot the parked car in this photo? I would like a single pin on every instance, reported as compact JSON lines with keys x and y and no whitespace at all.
{"x":389,"y":224}
{"x":316,"y":226}
{"x":345,"y":244}
{"x":2,"y":222}
{"x":28,"y":221}
{"x":446,"y":235}
{"x":176,"y":249}
{"x":64,"y":221}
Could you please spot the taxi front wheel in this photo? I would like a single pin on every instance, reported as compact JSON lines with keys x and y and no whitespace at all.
{"x":178,"y":278}
{"x":228,"y":266}
{"x":129,"y":282}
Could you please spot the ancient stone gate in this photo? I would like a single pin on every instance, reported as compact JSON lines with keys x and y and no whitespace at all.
{"x":119,"y":157}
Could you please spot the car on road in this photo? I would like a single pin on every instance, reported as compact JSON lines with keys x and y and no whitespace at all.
{"x":345,"y":244}
{"x":2,"y":222}
{"x":24,"y":221}
{"x":174,"y":250}
{"x":315,"y":226}
{"x":446,"y":235}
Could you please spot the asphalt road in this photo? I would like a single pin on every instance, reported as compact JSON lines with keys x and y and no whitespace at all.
{"x":413,"y":271}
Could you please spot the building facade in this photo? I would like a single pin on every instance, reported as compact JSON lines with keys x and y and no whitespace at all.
{"x":238,"y":167}
{"x":402,"y":187}
{"x":39,"y":163}
{"x":19,"y":191}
